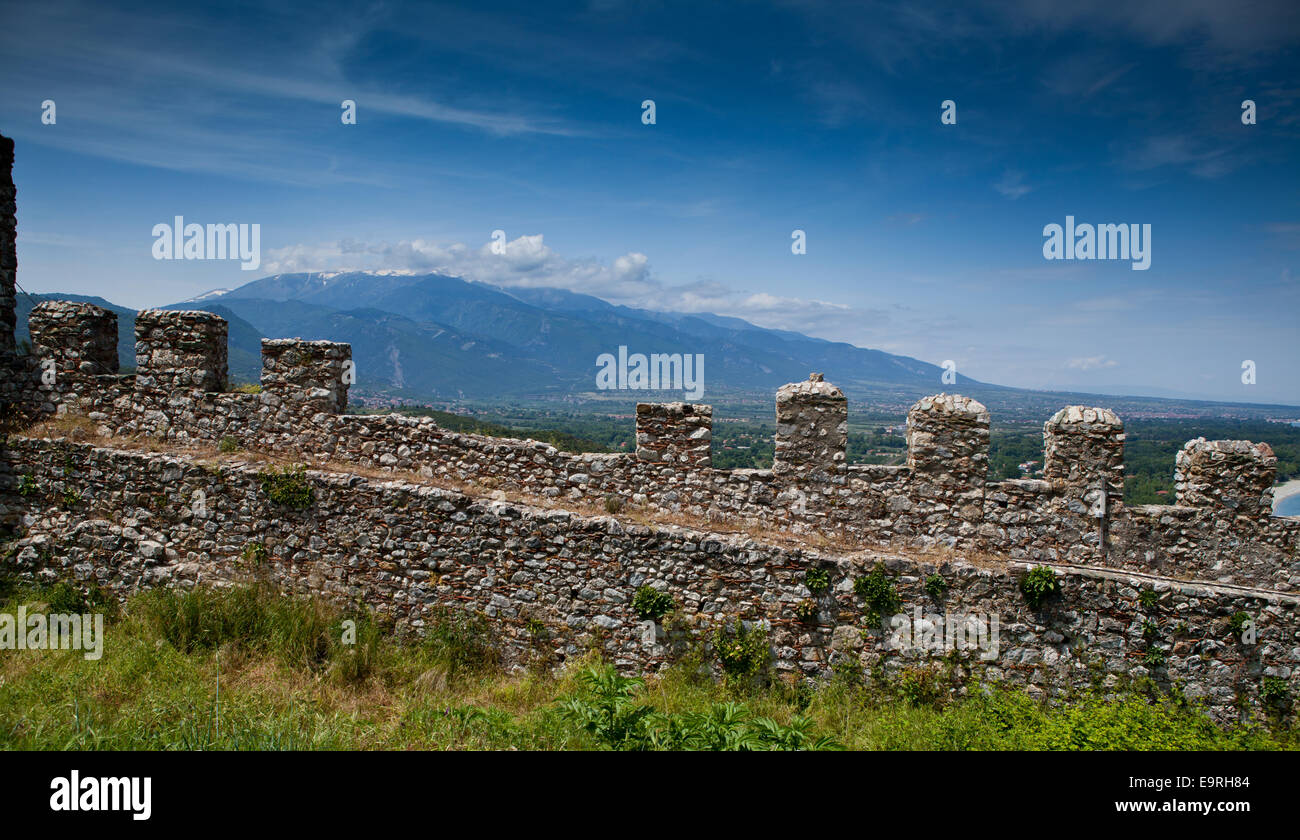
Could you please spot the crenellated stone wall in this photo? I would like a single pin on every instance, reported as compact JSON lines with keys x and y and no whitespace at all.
{"x":405,"y":548}
{"x":126,"y":519}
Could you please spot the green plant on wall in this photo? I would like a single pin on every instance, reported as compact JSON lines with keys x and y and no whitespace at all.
{"x":936,"y":586}
{"x":27,"y":485}
{"x":817,"y":579}
{"x":288,"y":487}
{"x":877,"y":590}
{"x":742,"y":651}
{"x":256,"y":555}
{"x":1039,"y":585}
{"x":806,"y":611}
{"x":652,"y":604}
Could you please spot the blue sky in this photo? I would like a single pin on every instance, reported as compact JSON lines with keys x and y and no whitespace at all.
{"x":923,"y":239}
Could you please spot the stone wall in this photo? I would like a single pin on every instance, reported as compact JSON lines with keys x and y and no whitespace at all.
{"x":407,"y":548}
{"x":8,"y":245}
{"x":180,"y":351}
{"x":676,"y":434}
{"x":79,"y":338}
{"x":1234,"y":477}
{"x":812,"y":430}
{"x":940,"y":497}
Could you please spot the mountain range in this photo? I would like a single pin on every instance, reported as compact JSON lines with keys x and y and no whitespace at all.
{"x":435,"y":338}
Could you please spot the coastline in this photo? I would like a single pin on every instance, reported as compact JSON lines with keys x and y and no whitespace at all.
{"x":1285,"y":491}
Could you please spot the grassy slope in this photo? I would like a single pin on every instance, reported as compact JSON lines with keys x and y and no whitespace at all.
{"x":287,"y":683}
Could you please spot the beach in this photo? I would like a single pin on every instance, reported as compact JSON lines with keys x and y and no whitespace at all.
{"x":1286,"y":499}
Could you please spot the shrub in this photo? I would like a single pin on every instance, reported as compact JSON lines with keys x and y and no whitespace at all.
{"x":651,"y":603}
{"x":936,"y":586}
{"x":288,"y":487}
{"x":229,"y":444}
{"x":1274,"y":691}
{"x":817,"y":579}
{"x":877,"y":589}
{"x":742,"y":652}
{"x":1039,"y":585}
{"x":256,"y":555}
{"x":920,"y":687}
{"x":806,"y":611}
{"x":461,"y":642}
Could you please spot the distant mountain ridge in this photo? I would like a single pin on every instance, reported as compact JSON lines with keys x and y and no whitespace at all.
{"x":443,"y":336}
{"x":435,"y":338}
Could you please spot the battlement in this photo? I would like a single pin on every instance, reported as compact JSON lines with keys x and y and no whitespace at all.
{"x":812,"y":429}
{"x":675,"y":434}
{"x":1235,"y":477}
{"x":128,"y":519}
{"x":306,"y":377}
{"x":1220,"y":529}
{"x":80,"y":339}
{"x":180,"y":350}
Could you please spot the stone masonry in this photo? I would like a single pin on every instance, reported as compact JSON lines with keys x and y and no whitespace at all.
{"x":812,"y":429}
{"x":676,"y":434}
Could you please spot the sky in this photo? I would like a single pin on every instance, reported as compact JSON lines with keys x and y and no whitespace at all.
{"x":922,"y":238}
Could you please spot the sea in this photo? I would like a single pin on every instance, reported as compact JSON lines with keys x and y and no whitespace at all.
{"x":1290,"y":506}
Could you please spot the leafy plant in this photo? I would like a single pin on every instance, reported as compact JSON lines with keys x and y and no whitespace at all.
{"x":70,"y":498}
{"x":1274,"y":691}
{"x":936,"y":586}
{"x":1039,"y":585}
{"x":1239,"y":622}
{"x":27,"y":485}
{"x":1150,"y":630}
{"x":1154,"y":656}
{"x":742,"y":651}
{"x":288,"y":487}
{"x":877,"y":589}
{"x":651,"y":603}
{"x":1148,"y":598}
{"x":817,"y":579}
{"x":256,"y":555}
{"x":806,"y":611}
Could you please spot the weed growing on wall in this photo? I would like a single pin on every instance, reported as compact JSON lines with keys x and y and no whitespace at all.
{"x":652,"y":604}
{"x":1038,"y":585}
{"x":817,"y":579}
{"x":288,"y":487}
{"x":742,"y":651}
{"x":877,"y":590}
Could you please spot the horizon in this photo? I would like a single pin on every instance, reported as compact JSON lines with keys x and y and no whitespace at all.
{"x":923,"y":239}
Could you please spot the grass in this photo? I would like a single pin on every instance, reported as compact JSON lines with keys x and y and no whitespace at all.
{"x":287,"y":681}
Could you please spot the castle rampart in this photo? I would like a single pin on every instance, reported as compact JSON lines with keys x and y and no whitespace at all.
{"x":127,"y":519}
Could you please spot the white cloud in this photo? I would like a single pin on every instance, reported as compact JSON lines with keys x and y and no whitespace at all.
{"x":1091,"y":363}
